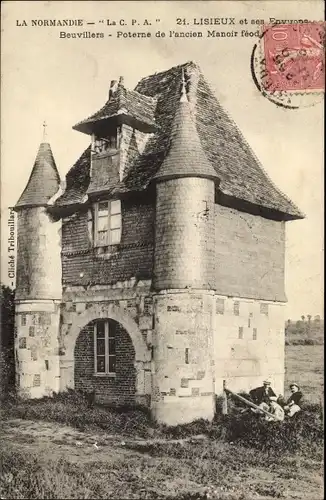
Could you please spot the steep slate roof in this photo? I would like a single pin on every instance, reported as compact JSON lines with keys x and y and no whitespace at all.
{"x":240,"y":172}
{"x":77,"y":181}
{"x":43,"y":182}
{"x":136,"y":105}
{"x":186,"y":156}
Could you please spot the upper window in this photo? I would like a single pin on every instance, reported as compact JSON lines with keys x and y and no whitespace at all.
{"x":105,"y":144}
{"x":104,"y":347}
{"x":108,"y":223}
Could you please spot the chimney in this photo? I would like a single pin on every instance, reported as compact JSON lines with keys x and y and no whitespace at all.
{"x":113,"y":88}
{"x":121,"y":81}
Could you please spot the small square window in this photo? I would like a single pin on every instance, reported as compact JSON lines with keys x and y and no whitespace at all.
{"x":236,"y":308}
{"x":219,"y":306}
{"x":240,"y":336}
{"x":264,"y":308}
{"x":22,"y":343}
{"x":254,"y":334}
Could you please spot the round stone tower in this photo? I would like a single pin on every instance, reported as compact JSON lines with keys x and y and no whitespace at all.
{"x":184,"y":276}
{"x":38,"y":281}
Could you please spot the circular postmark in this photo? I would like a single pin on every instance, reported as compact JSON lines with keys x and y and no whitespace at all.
{"x":288,"y":65}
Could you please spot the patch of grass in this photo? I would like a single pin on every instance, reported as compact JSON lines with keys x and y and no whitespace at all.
{"x":73,"y":408}
{"x":305,"y":366}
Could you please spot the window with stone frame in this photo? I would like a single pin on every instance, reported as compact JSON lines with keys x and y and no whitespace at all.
{"x":105,"y":347}
{"x":108,"y":223}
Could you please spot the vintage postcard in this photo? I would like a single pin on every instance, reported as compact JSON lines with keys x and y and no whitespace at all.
{"x":162,"y":321}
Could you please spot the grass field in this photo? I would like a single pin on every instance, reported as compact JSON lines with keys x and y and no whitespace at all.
{"x":131,"y":458}
{"x":305,"y":365}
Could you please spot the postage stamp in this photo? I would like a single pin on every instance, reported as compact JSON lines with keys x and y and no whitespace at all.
{"x":288,"y":63}
{"x":294,"y":56}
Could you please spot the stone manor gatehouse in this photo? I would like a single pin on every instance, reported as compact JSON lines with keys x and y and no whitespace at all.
{"x":156,"y":271}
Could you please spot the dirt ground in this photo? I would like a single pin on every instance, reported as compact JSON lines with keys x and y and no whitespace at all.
{"x":52,"y":441}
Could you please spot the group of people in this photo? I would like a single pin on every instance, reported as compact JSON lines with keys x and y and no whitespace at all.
{"x":265,"y":399}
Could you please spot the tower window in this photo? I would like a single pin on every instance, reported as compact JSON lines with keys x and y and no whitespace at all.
{"x":108,"y":223}
{"x":105,"y":347}
{"x":236,"y":308}
{"x":37,"y":380}
{"x":254,"y":334}
{"x":32,"y":331}
{"x":187,"y":355}
{"x":264,"y":308}
{"x":23,"y":319}
{"x":240,"y":335}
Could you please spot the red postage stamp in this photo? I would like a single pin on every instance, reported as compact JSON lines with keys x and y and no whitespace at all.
{"x":294,"y":57}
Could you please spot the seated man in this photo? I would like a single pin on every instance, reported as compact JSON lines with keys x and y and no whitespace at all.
{"x":264,"y":394}
{"x":276,"y":410}
{"x":292,"y":405}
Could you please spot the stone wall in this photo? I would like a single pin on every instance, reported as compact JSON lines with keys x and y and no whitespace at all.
{"x":37,"y":348}
{"x":249,"y":255}
{"x":248,"y":343}
{"x":184,"y":234}
{"x":183,"y":385}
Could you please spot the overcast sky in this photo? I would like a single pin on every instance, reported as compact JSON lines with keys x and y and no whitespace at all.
{"x":65,"y":80}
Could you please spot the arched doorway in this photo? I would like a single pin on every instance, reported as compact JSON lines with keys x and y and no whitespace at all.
{"x":132,"y":380}
{"x":105,"y":362}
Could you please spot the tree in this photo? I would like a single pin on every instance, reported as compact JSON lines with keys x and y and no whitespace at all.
{"x":309,"y":317}
{"x":7,"y":325}
{"x":303,"y":318}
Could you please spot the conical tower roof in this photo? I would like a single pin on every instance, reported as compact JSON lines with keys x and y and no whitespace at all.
{"x":186,"y":157}
{"x":44,"y":180}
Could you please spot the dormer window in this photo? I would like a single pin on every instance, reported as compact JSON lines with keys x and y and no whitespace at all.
{"x":107,"y":142}
{"x":108,"y":223}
